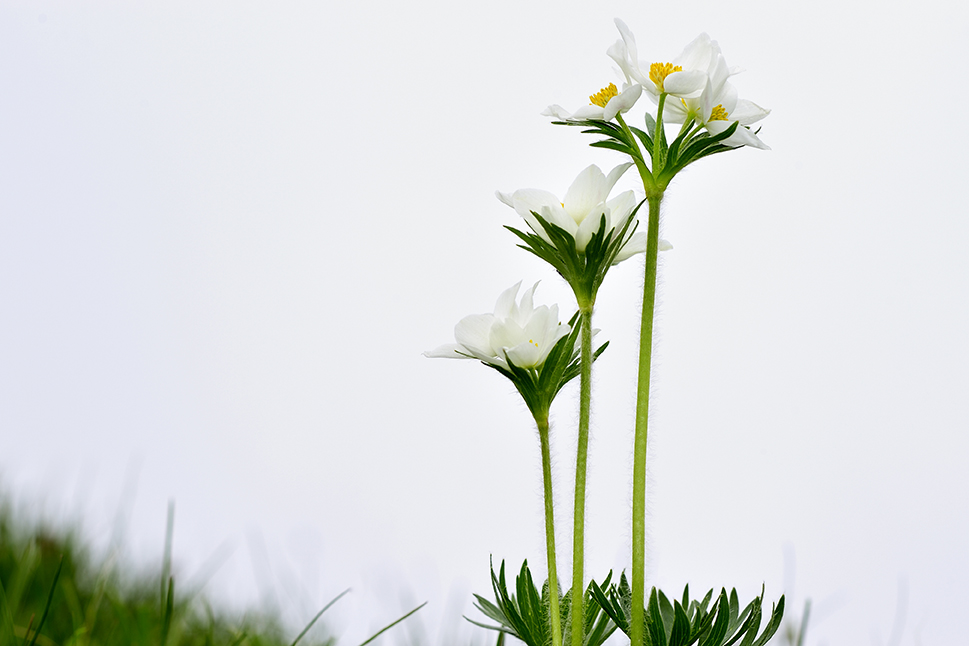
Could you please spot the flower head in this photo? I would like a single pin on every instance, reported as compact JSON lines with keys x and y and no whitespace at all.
{"x":604,"y":105}
{"x":718,"y":106}
{"x":517,"y":332}
{"x":580,"y":212}
{"x":679,"y":78}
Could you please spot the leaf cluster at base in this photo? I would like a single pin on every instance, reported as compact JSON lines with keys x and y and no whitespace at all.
{"x":526,"y":614}
{"x":688,"y":621}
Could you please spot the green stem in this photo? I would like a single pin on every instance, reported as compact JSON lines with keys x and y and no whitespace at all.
{"x":644,"y":172}
{"x":659,"y":151}
{"x":642,"y":419}
{"x":581,"y":458}
{"x":553,"y":582}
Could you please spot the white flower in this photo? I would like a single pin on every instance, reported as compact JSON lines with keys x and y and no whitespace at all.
{"x":580,"y":212}
{"x":604,"y":106}
{"x":679,"y":78}
{"x":718,"y":106}
{"x":522,"y":332}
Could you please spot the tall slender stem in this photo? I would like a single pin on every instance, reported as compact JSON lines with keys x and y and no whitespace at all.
{"x":581,"y":458}
{"x":553,"y":581}
{"x":642,"y":419}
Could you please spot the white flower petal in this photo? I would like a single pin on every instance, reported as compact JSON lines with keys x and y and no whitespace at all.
{"x":474,"y":333}
{"x":676,"y":110}
{"x":558,"y":112}
{"x":699,"y":54}
{"x":612,"y":178}
{"x":505,"y":306}
{"x":528,"y":200}
{"x":588,"y":227}
{"x":585,"y":193}
{"x":447,"y":351}
{"x":628,"y":39}
{"x":623,"y":102}
{"x":620,"y":207}
{"x":587,"y":112}
{"x":620,"y":54}
{"x":635,"y":244}
{"x":664,"y":245}
{"x":685,"y":84}
{"x":748,"y":112}
{"x":741,"y":137}
{"x":526,"y":308}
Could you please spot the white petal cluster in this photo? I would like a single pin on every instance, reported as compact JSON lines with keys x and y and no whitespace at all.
{"x":582,"y":209}
{"x":621,"y":103}
{"x":523,"y":333}
{"x":702,"y":88}
{"x":655,"y":78}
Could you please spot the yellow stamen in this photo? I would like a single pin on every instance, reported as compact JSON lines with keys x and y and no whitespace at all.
{"x":601,"y":98}
{"x":659,"y":71}
{"x":718,"y":114}
{"x":533,"y":343}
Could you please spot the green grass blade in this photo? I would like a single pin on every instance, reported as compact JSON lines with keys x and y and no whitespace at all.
{"x":804,"y":623}
{"x":50,"y":599}
{"x":169,"y":611}
{"x":318,"y":615}
{"x":167,"y":554}
{"x":6,"y":619}
{"x":392,"y":624}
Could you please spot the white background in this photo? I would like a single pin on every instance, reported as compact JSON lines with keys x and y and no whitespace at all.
{"x":228,"y":231}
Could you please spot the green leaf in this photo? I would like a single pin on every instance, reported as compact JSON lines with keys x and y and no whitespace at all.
{"x":721,"y":625}
{"x":614,"y":145}
{"x":654,"y":622}
{"x":674,"y":150}
{"x":680,"y":632}
{"x":696,"y":146}
{"x":752,"y":625}
{"x":777,"y":615}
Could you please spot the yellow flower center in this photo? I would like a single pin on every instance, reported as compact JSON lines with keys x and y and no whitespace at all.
{"x":533,"y":343}
{"x":601,"y":98}
{"x":659,"y":71}
{"x":718,"y":114}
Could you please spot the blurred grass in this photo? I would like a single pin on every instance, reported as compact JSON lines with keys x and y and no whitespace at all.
{"x":50,"y":580}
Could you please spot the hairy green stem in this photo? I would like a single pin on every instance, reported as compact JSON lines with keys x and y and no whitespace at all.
{"x":642,"y":419}
{"x":659,"y":154}
{"x":553,"y":582}
{"x":581,"y":459}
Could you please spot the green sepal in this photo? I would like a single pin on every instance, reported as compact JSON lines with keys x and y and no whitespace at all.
{"x":645,"y":138}
{"x":616,"y":137}
{"x":674,"y":151}
{"x":585,"y":271}
{"x":683,"y":151}
{"x":608,"y":143}
{"x":697,"y":147}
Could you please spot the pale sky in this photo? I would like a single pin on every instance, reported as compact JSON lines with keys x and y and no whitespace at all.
{"x":228,"y":231}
